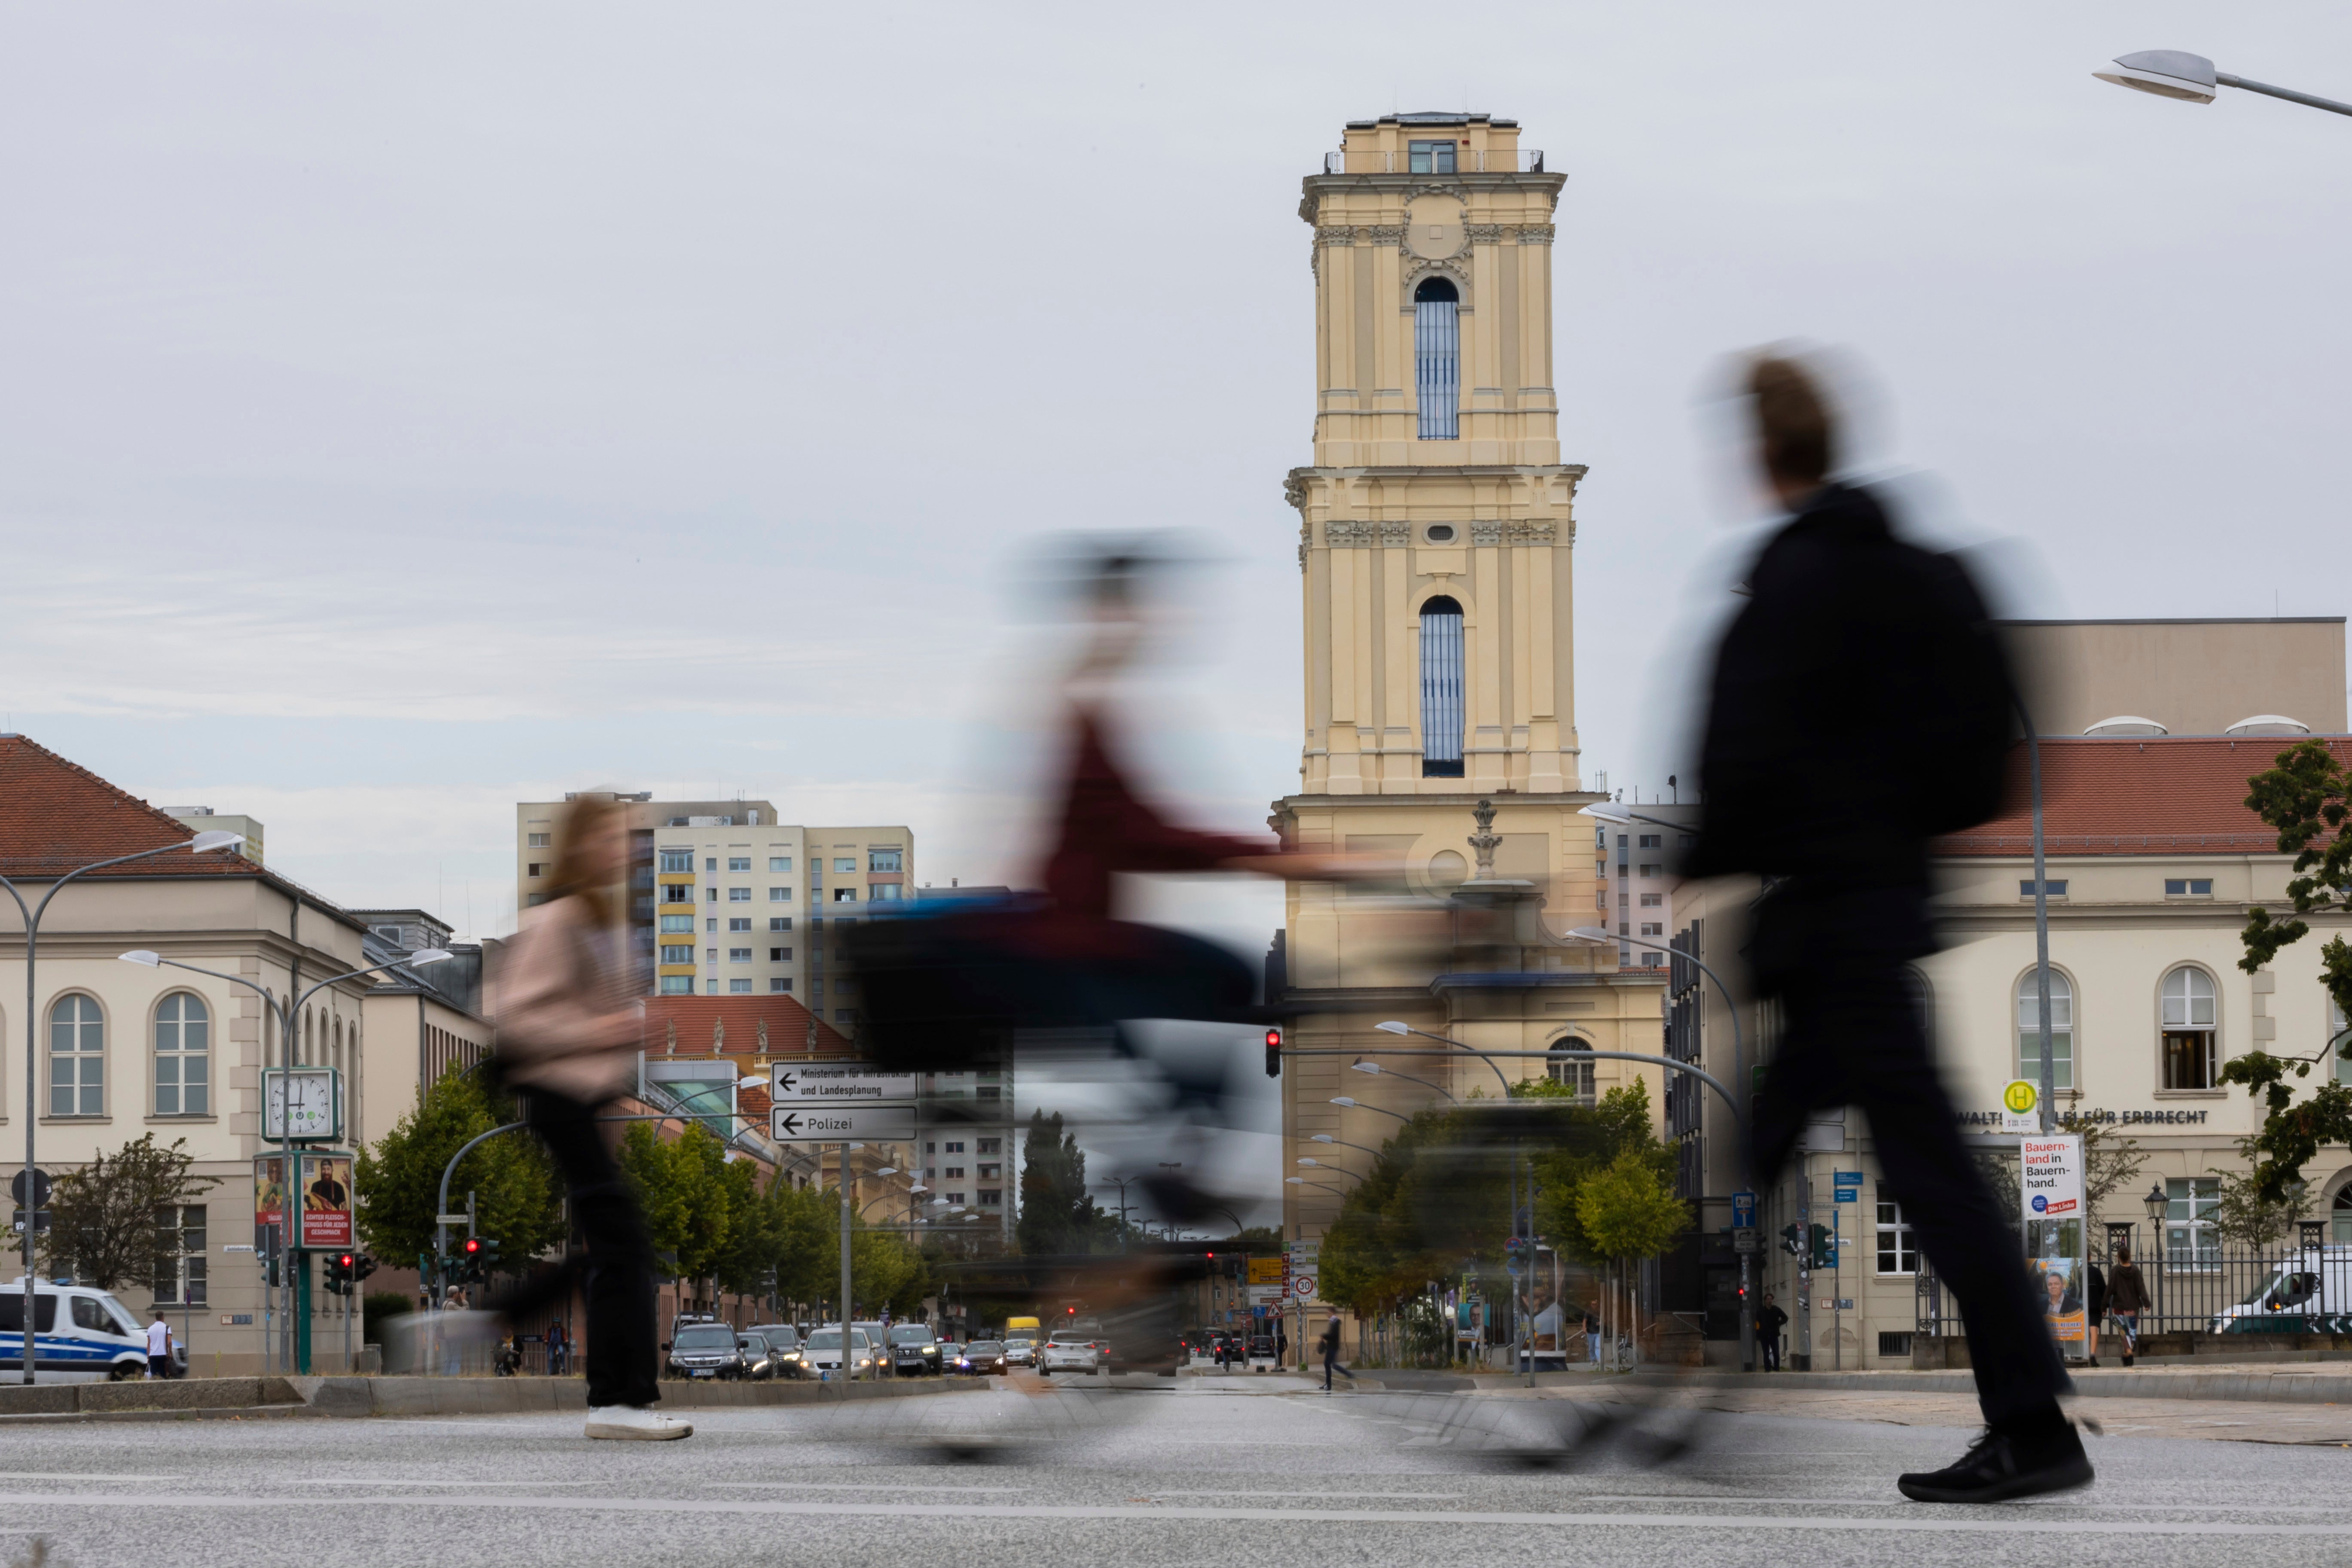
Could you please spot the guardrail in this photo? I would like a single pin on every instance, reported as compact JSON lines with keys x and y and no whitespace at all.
{"x":2287,"y":1288}
{"x":1518,"y":161}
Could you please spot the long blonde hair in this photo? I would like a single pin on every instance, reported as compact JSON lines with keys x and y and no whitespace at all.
{"x":585,"y":815}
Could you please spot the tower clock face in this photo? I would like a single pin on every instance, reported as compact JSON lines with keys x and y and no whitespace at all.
{"x":301,"y":1104}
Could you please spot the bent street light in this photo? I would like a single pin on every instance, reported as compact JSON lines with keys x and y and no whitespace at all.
{"x":1375,"y":1068}
{"x":2191,"y":79}
{"x":1343,"y":1100}
{"x":1393,"y":1027}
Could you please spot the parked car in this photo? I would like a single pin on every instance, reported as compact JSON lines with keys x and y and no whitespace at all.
{"x":2313,"y":1284}
{"x":823,"y":1353}
{"x":706,"y":1350}
{"x":915,"y":1350}
{"x":1021,"y":1351}
{"x":79,"y":1328}
{"x":1070,"y":1350}
{"x":982,"y":1357}
{"x":786,"y":1355}
{"x":877,"y":1334}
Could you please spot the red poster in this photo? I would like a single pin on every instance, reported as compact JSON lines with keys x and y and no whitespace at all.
{"x":269,"y":1190}
{"x":326,"y":1200}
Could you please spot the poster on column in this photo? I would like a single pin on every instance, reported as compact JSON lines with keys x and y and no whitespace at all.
{"x":325,"y":1200}
{"x":2050,"y":1188}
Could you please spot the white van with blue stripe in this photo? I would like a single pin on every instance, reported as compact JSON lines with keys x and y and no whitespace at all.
{"x":76,"y":1327}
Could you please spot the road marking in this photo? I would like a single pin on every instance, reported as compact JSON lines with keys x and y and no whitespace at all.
{"x":838,"y":1486}
{"x":77,"y":1476}
{"x":1401,"y":1495}
{"x":433,"y":1482}
{"x":1928,"y":1518}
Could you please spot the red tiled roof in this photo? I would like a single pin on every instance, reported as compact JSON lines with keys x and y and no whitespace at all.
{"x":2128,"y":796}
{"x":697,"y":1020}
{"x":56,"y":816}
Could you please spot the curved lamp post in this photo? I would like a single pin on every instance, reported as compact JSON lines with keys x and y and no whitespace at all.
{"x":1358,"y":1106}
{"x":1394,"y":1027}
{"x":2191,"y":79}
{"x":1376,"y":1068}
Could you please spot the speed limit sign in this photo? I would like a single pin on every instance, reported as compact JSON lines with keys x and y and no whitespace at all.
{"x":1303,"y":1286}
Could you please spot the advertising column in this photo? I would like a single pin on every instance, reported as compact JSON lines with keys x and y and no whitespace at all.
{"x":2050,"y":1185}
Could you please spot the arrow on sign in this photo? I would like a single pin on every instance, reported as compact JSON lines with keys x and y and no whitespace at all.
{"x":784,"y":1081}
{"x":791,"y":1121}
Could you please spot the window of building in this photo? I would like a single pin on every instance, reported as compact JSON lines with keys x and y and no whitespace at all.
{"x":179,"y":1277}
{"x":710,"y":954}
{"x":992,"y":1198}
{"x":2189,"y":1030}
{"x":710,"y":988}
{"x":2191,"y":1204}
{"x":738,"y":988}
{"x":844,"y":865}
{"x":955,"y":1173}
{"x":711,"y":925}
{"x":677,"y":953}
{"x":2188,"y":887}
{"x":739,"y":895}
{"x":739,"y":862}
{"x":537,"y":868}
{"x":77,"y":1058}
{"x":885,"y":860}
{"x":1437,"y":360}
{"x":845,"y":895}
{"x":710,"y":862}
{"x":779,"y":895}
{"x":678,"y":892}
{"x":1428,"y":157}
{"x":780,"y":983}
{"x":779,"y":923}
{"x":738,"y":955}
{"x":887,"y":892}
{"x":2062,"y":1029}
{"x":1896,"y":1344}
{"x":539,"y":842}
{"x":780,"y":863}
{"x":1897,"y":1252}
{"x":2337,"y":1042}
{"x":1652,"y":840}
{"x":677,"y":860}
{"x":780,"y":954}
{"x":534,"y":900}
{"x":739,"y":923}
{"x":1441,"y":689}
{"x":677,"y":985}
{"x":677,"y":923}
{"x":991,"y":1146}
{"x":709,"y":895}
{"x":2339,"y":1218}
{"x":1653,"y":901}
{"x":816,"y":992}
{"x":844,"y":1015}
{"x":1652,"y":868}
{"x":2056,"y":886}
{"x":1570,"y":1063}
{"x":183,"y":1057}
{"x":1654,"y":928}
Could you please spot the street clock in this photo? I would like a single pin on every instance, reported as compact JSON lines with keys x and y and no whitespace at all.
{"x":303,"y":1103}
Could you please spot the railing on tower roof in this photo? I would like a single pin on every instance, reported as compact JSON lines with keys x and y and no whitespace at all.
{"x":1504,"y":161}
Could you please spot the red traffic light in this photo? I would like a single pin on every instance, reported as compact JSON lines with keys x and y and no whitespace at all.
{"x":1274,"y":1053}
{"x":1274,"y":1039}
{"x":343,"y":1260}
{"x":1072,"y":1310}
{"x":473,"y":1245}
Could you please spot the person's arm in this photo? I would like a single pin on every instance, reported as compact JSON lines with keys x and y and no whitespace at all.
{"x":544,"y":996}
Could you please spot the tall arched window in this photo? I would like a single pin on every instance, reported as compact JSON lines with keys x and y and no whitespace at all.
{"x":183,"y":1075}
{"x":2062,"y":1029}
{"x":1565,"y":1067}
{"x":2189,"y":1029}
{"x":77,"y":1058}
{"x":1437,"y":359}
{"x":1441,"y":689}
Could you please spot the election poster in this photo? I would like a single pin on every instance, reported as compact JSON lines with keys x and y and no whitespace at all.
{"x":2050,"y":1192}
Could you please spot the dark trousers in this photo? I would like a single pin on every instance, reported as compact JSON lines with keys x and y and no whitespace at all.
{"x":158,"y":1365}
{"x":617,"y":1265}
{"x":1853,"y":1037}
{"x":1331,"y":1364}
{"x":1771,"y":1347}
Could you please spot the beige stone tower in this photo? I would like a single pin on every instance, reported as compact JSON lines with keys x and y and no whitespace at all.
{"x":1436,"y":551}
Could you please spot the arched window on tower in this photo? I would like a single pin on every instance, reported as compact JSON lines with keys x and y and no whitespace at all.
{"x":1441,"y":689}
{"x":1437,"y":359}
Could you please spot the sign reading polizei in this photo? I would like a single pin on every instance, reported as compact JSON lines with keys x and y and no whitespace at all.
{"x":796,"y":1122}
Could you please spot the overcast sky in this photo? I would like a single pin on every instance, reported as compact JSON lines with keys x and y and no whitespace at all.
{"x":411,"y":407}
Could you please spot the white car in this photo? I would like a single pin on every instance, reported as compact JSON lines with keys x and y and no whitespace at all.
{"x":823,"y":1353}
{"x":1069,"y":1351}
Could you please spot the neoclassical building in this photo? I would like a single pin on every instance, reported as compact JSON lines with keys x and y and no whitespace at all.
{"x":1436,"y":570}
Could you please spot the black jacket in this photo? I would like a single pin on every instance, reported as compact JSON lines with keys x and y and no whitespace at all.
{"x":1859,"y":673}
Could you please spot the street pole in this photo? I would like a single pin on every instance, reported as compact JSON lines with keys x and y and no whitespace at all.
{"x":1803,"y":1355}
{"x":2041,"y":923}
{"x":848,"y":1365}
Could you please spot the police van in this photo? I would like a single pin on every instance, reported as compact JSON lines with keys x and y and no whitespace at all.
{"x":76,"y":1327}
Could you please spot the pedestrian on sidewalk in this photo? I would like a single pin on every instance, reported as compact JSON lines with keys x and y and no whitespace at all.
{"x":2126,"y":1299}
{"x":1592,"y":1335}
{"x":2098,"y":1310}
{"x":1331,"y":1353}
{"x":1770,"y":1320}
{"x":1861,"y":658}
{"x":159,"y":1347}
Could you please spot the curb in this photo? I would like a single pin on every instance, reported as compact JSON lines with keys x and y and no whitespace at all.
{"x":2266,"y":1386}
{"x":351,"y":1399}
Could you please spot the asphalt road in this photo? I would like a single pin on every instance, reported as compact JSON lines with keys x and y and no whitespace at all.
{"x":1247,"y":1469}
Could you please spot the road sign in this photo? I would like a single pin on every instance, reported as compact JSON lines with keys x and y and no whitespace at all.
{"x":848,"y":1083}
{"x":2021,"y":1106}
{"x":1845,"y":1178}
{"x":1266,"y":1270}
{"x":1743,"y":1211}
{"x":452,"y":1219}
{"x":1748,"y":1240}
{"x":1303,"y":1287}
{"x":40,"y":1188}
{"x":793,"y":1122}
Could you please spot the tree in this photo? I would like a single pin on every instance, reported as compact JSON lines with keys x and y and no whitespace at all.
{"x":1617,"y":1127}
{"x":683,"y":1187}
{"x":2251,"y":1217}
{"x":1626,"y":1211}
{"x":103,"y":1217}
{"x":2302,"y":796}
{"x":518,"y":1191}
{"x":1058,"y":1215}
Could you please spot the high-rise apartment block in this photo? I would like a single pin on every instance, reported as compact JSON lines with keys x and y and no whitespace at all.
{"x":726,"y":900}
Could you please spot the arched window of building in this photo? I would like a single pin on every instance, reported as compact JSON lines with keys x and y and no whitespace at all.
{"x":183,"y":1063}
{"x":2062,"y":1029}
{"x":1571,"y":1065}
{"x":1441,"y":689}
{"x":1437,"y":359}
{"x":2337,"y":1042}
{"x":2339,"y":1217}
{"x":2190,"y":1034}
{"x":77,"y":1058}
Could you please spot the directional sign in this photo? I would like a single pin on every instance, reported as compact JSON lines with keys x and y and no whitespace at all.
{"x":793,"y":1122}
{"x":1743,"y":1211}
{"x":1748,"y":1240}
{"x":849,"y":1083}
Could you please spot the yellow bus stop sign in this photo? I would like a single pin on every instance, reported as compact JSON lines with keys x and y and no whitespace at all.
{"x":2019,"y":1101}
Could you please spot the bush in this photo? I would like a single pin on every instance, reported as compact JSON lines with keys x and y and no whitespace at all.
{"x":377,"y":1306}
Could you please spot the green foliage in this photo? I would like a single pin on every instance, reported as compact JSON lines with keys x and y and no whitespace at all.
{"x":378,"y":1308}
{"x":2250,"y":1217}
{"x":1617,"y":1126}
{"x":2302,"y":796}
{"x":518,"y":1192}
{"x":102,"y":1216}
{"x":1058,"y":1217}
{"x":1628,"y":1209}
{"x":1257,"y":1242}
{"x":688,"y":1197}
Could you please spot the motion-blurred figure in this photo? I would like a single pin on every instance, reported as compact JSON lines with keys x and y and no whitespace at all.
{"x":1860,"y":705}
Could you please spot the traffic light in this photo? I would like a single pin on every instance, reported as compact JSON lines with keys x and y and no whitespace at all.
{"x":339,"y":1274}
{"x":469,"y":1260}
{"x":1792,"y":1240}
{"x":1824,"y":1252}
{"x":486,"y":1260}
{"x":361,"y":1267}
{"x":1274,"y":1053}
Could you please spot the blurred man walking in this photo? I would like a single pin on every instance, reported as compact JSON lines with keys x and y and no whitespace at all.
{"x":1860,"y":705}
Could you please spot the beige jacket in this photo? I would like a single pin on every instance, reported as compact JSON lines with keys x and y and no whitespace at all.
{"x":559,"y":993}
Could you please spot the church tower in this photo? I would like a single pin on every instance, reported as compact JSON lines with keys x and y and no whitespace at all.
{"x":1436,"y":550}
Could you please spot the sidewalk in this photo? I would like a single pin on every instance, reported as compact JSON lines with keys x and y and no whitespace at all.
{"x":2293,"y":1383}
{"x":249,"y":1398}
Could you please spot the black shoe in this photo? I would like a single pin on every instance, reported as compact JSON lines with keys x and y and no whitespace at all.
{"x":1998,"y":1467}
{"x":2091,"y":1361}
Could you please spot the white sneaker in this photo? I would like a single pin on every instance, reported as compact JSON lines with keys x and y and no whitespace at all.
{"x":631,"y":1424}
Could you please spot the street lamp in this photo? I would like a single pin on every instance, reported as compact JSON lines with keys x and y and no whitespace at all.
{"x":1375,"y":1068}
{"x":1357,"y":1105}
{"x":1342,"y":1143}
{"x":1302,"y":1181}
{"x":2191,"y":79}
{"x":202,"y":844}
{"x":1393,"y":1027}
{"x":2158,"y":1202}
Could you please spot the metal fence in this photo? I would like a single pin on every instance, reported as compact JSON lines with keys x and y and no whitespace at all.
{"x":2198,"y":1285}
{"x":1465,"y":161}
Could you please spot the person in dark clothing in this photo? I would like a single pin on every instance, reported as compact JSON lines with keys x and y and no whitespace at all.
{"x":2127,"y":1297}
{"x":1330,"y":1346}
{"x":1770,"y":1320}
{"x":2098,"y":1279}
{"x":1856,"y":710}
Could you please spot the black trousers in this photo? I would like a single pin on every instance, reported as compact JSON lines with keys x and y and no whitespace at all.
{"x":1771,"y":1347}
{"x":1854,"y":1036}
{"x":617,"y":1265}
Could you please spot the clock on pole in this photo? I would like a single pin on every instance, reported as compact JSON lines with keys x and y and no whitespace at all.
{"x":301,"y":1104}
